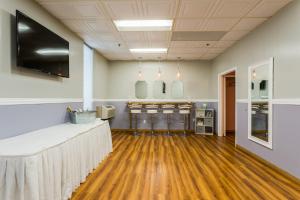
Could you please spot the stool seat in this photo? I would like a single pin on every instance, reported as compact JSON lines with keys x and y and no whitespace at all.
{"x":136,"y":111}
{"x":168,"y":111}
{"x":184,"y":112}
{"x":152,"y":111}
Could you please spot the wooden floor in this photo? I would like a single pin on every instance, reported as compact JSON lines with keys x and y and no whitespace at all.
{"x":191,"y":168}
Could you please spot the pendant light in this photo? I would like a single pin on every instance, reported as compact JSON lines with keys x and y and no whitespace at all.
{"x":159,"y":72}
{"x":140,"y":74}
{"x":178,"y":74}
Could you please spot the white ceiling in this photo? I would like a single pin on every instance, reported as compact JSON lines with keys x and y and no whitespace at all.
{"x":92,"y":20}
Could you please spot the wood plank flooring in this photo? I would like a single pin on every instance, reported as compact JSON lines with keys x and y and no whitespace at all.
{"x":191,"y":168}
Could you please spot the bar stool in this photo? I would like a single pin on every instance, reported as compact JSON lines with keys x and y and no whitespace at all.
{"x":135,"y":110}
{"x":184,"y":110}
{"x":152,"y":109}
{"x":168,"y":110}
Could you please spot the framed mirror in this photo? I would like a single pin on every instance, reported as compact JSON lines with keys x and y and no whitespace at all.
{"x":177,"y":89}
{"x":141,"y":89}
{"x":159,"y":89}
{"x":260,"y":95}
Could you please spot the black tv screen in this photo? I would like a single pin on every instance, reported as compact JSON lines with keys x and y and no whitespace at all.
{"x":40,"y":49}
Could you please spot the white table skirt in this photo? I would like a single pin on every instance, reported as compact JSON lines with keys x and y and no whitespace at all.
{"x":50,"y":164}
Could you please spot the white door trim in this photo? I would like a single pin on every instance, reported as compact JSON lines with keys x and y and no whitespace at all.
{"x":220,"y":105}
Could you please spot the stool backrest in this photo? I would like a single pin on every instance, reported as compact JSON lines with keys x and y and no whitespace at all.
{"x":135,"y":106}
{"x":185,"y":107}
{"x":168,"y":106}
{"x":151,"y":106}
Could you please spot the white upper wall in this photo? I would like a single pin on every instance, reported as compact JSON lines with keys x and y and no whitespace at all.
{"x":22,"y":83}
{"x":100,"y":76}
{"x":278,"y":38}
{"x":123,"y":75}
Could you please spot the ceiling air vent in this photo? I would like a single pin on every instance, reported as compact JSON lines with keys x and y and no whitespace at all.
{"x":197,"y":35}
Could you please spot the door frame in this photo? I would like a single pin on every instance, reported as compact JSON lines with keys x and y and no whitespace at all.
{"x":222,"y":101}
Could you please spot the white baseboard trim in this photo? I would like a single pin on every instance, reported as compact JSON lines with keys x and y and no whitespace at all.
{"x":157,"y":100}
{"x":20,"y":101}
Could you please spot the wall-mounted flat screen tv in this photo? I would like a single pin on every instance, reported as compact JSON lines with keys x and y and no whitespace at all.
{"x":40,"y":49}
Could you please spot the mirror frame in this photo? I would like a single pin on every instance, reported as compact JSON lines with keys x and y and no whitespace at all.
{"x":270,"y":63}
{"x":172,"y":90}
{"x":146,"y":89}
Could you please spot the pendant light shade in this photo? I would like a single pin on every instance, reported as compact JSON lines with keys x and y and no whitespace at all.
{"x":178,"y":74}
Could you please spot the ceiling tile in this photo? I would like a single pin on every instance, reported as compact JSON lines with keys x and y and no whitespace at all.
{"x":224,"y":44}
{"x":194,"y":21}
{"x":75,"y":10}
{"x":234,"y":8}
{"x":77,"y":25}
{"x":136,"y":45}
{"x":161,"y":44}
{"x":134,"y":36}
{"x":184,"y":56}
{"x":188,"y":24}
{"x":189,"y":50}
{"x":159,"y":9}
{"x":125,"y":9}
{"x":234,"y":35}
{"x":101,"y":25}
{"x":268,"y":8}
{"x":58,"y":9}
{"x":156,"y":36}
{"x":150,"y":56}
{"x":199,"y":44}
{"x":89,"y":9}
{"x":248,"y":24}
{"x":195,"y":8}
{"x":215,"y":50}
{"x":119,"y":56}
{"x":224,"y":24}
{"x":209,"y":56}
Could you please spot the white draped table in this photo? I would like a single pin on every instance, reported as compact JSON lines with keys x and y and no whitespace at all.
{"x":49,"y":164}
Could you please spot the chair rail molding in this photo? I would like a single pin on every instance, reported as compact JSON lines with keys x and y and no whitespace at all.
{"x":21,"y":101}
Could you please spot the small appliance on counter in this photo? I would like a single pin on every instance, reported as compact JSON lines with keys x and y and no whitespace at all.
{"x":105,"y":111}
{"x":81,"y":117}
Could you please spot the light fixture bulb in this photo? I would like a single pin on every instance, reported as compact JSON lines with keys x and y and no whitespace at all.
{"x":178,"y":74}
{"x":254,"y":74}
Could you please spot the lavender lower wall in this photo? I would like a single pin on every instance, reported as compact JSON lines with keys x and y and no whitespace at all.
{"x":19,"y":119}
{"x":121,"y":120}
{"x":286,"y":137}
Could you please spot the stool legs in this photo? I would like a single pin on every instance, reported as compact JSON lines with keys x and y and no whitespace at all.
{"x":168,"y":125}
{"x":184,"y":127}
{"x":135,"y":133}
{"x":152,"y":133}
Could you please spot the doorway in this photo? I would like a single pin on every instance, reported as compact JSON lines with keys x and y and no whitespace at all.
{"x":227,"y":103}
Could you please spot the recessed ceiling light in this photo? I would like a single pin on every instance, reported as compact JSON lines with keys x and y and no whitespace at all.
{"x":144,"y":25}
{"x":149,"y":50}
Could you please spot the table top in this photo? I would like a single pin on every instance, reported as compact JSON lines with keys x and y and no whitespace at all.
{"x":34,"y":142}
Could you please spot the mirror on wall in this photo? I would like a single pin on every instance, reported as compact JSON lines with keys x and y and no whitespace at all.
{"x":159,"y":89}
{"x":260,"y":97}
{"x":141,"y":89}
{"x":177,"y":89}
